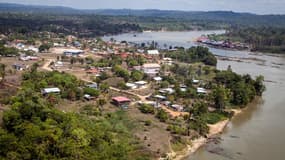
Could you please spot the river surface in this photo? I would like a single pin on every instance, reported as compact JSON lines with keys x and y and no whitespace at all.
{"x":258,"y":132}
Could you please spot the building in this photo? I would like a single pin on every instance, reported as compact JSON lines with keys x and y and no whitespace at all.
{"x":151,"y":69}
{"x":153,"y":52}
{"x":167,"y":91}
{"x":141,"y":84}
{"x":73,"y":52}
{"x":93,"y":85}
{"x":131,"y":85}
{"x":201,"y":90}
{"x":50,"y":90}
{"x":19,"y":67}
{"x":122,"y":102}
{"x":177,"y":107}
{"x":167,"y":61}
{"x":157,"y":79}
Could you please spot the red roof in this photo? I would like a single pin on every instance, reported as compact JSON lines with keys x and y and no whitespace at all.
{"x":124,"y":55}
{"x":121,"y":99}
{"x":94,"y":70}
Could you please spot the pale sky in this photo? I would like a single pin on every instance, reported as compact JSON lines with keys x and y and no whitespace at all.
{"x":252,"y":6}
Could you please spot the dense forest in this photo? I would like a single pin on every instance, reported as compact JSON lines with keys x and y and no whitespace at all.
{"x":78,"y":25}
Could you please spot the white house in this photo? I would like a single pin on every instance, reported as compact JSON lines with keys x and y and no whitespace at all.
{"x":131,"y":85}
{"x":153,"y":52}
{"x":151,"y":68}
{"x":73,"y":52}
{"x":141,"y":84}
{"x":50,"y":90}
{"x":201,"y":90}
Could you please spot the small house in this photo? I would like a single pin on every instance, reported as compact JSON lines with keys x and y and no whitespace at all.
{"x":177,"y":107}
{"x":50,"y":90}
{"x":131,"y":85}
{"x":73,"y":52}
{"x":201,"y":90}
{"x":88,"y":97}
{"x":141,"y":84}
{"x":122,"y":102}
{"x":160,"y":97}
{"x":157,"y":79}
{"x":19,"y":67}
{"x":93,"y":85}
{"x":153,"y":52}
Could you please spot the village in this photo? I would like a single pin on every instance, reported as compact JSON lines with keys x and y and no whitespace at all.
{"x":172,"y":95}
{"x":76,"y":58}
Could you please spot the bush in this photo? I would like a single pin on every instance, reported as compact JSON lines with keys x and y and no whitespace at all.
{"x":91,"y":91}
{"x":162,"y":115}
{"x":147,"y":122}
{"x":147,"y":109}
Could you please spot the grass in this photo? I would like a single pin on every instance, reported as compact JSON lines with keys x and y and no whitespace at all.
{"x":215,"y":117}
{"x":178,"y":144}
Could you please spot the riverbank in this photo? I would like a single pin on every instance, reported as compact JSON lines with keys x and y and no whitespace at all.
{"x":199,"y":142}
{"x":214,"y":130}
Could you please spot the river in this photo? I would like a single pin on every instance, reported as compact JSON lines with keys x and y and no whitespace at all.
{"x":255,"y":134}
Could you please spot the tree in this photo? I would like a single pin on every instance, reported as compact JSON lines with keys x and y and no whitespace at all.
{"x":137,"y":75}
{"x":221,"y":97}
{"x":44,"y":47}
{"x":2,"y":72}
{"x":162,"y":115}
{"x":259,"y":86}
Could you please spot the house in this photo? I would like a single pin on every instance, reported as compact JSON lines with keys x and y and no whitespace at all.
{"x":131,"y":85}
{"x":122,"y":102}
{"x":177,"y":107}
{"x":93,"y":71}
{"x":50,"y":90}
{"x":93,"y":85}
{"x":167,"y":91}
{"x":58,"y":64}
{"x":167,"y":61}
{"x":88,"y":97}
{"x":141,"y":84}
{"x":195,"y":81}
{"x":157,"y":79}
{"x":19,"y":67}
{"x":160,"y":97}
{"x":153,"y":52}
{"x":73,"y":52}
{"x":151,"y":69}
{"x":201,"y":90}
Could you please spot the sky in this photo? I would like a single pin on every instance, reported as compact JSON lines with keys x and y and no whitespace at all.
{"x":252,"y":6}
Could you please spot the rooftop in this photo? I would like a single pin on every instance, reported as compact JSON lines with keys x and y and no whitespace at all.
{"x":121,"y":99}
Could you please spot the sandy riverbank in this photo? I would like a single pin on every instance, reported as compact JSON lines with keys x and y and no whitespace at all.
{"x":214,"y":130}
{"x":197,"y":143}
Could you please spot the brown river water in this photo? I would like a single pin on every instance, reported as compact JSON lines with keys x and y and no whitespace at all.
{"x":258,"y":132}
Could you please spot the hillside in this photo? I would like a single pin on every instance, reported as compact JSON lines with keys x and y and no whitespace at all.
{"x":229,"y":17}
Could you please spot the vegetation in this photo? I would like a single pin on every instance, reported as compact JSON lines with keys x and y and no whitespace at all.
{"x":262,"y":39}
{"x":193,"y":54}
{"x":145,"y":108}
{"x":243,"y":88}
{"x":34,"y":129}
{"x":7,"y":51}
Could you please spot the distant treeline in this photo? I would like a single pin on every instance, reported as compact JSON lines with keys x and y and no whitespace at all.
{"x":79,"y":25}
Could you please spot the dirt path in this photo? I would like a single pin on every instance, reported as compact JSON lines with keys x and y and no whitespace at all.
{"x":173,"y":113}
{"x":46,"y":65}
